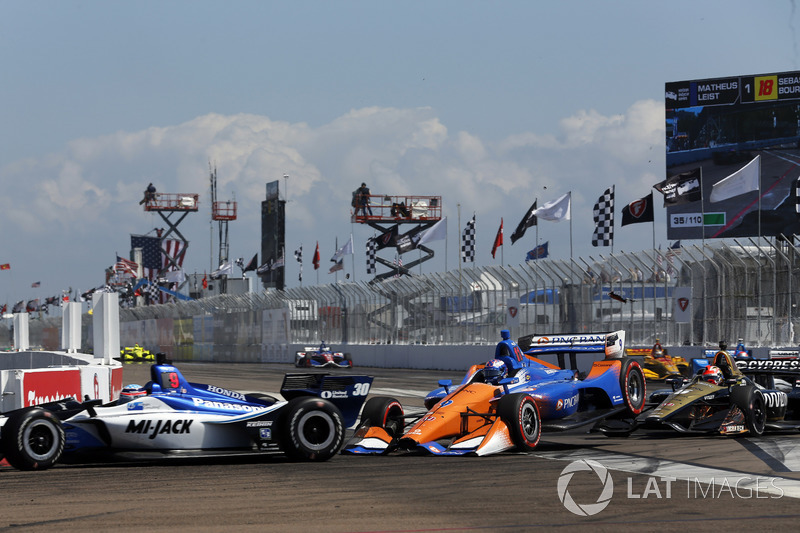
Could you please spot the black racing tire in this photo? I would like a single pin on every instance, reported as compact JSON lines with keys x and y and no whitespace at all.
{"x":521,"y":414}
{"x":751,"y":401}
{"x":633,"y":386}
{"x":349,"y":359}
{"x":33,"y":439}
{"x":312,"y":429}
{"x":386,"y":413}
{"x":299,"y":362}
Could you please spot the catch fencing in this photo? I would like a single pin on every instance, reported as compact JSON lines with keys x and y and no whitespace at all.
{"x":696,"y":295}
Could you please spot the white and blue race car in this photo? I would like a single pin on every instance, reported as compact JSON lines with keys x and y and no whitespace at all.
{"x":170,"y":417}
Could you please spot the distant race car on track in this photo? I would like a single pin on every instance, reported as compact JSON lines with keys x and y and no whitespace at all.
{"x":322,"y":357}
{"x":658,"y":365}
{"x":170,"y":417}
{"x":504,"y":404}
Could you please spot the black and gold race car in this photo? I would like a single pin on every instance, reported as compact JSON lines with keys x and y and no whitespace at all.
{"x":740,"y":404}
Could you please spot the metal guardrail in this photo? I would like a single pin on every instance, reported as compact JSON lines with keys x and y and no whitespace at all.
{"x":746,"y":289}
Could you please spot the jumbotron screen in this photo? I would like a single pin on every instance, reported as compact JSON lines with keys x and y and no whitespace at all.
{"x":744,"y":130}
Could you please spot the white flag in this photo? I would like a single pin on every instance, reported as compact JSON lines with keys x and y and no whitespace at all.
{"x":742,"y":181}
{"x":347,"y":249}
{"x":555,"y":211}
{"x":224,"y":269}
{"x":436,"y":232}
{"x":175,"y":276}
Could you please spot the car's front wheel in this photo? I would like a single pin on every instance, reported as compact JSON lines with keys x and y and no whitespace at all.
{"x":521,"y":415}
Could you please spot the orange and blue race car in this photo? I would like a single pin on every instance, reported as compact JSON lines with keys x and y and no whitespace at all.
{"x":504,"y":404}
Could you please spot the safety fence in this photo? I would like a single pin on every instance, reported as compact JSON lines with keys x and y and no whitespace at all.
{"x":694,"y":295}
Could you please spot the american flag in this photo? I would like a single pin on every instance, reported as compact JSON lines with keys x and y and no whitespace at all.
{"x":126,"y":266}
{"x":154,"y":257}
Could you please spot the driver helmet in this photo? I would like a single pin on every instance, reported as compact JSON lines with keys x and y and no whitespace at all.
{"x":494,"y":371}
{"x":131,"y":392}
{"x":658,"y":350}
{"x":713,"y":374}
{"x":323,"y":347}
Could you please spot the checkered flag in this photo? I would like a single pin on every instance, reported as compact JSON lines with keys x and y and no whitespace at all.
{"x":468,"y":242}
{"x":604,"y":219}
{"x":372,"y":249}
{"x":154,"y":292}
{"x":298,"y":254}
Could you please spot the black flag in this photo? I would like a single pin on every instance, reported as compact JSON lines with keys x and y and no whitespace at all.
{"x":681,"y":188}
{"x":527,"y":221}
{"x":639,"y":211}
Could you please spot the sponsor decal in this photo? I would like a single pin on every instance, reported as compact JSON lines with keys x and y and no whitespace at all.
{"x":259,"y":423}
{"x":328,"y":394}
{"x":199,"y":402}
{"x":776,"y":399}
{"x":567,"y":403}
{"x":429,"y":419}
{"x":265,"y":433}
{"x":135,"y":406}
{"x":732,"y":428}
{"x":769,"y":364}
{"x":225,"y":392}
{"x":159,"y":427}
{"x":446,"y":403}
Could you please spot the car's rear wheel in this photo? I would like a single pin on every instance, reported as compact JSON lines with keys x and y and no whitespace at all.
{"x":386,"y":413}
{"x":521,"y":414}
{"x":312,"y":429}
{"x":33,"y":439}
{"x":751,"y":402}
{"x":349,"y":360}
{"x":633,"y":386}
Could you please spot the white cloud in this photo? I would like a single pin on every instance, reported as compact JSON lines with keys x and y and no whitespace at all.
{"x":93,"y":186}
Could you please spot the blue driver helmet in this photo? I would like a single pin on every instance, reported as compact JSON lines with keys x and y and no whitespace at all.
{"x":131,"y":392}
{"x":323,"y":347}
{"x":494,"y":371}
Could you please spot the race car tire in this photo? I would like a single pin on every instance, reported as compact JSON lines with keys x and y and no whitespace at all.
{"x":633,"y":386}
{"x":751,"y":402}
{"x":33,"y":439}
{"x":521,"y":414}
{"x":348,"y":359}
{"x":386,"y":413}
{"x":312,"y":429}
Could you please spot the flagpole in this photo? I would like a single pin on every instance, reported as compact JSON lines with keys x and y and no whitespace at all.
{"x":570,"y":225}
{"x":459,"y":255}
{"x":702,"y":210}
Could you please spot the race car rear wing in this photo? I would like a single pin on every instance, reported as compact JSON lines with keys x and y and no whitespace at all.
{"x":611,"y":343}
{"x":346,"y":392}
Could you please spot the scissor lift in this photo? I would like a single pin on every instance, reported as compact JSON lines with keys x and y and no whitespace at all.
{"x":388,"y":211}
{"x":169,"y":206}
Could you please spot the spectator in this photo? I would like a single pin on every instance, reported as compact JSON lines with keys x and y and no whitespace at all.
{"x":363,"y":200}
{"x":149,"y":194}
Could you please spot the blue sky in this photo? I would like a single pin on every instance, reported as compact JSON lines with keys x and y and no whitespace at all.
{"x":488,"y":104}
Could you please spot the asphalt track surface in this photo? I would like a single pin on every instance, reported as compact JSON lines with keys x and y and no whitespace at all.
{"x":719,"y":483}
